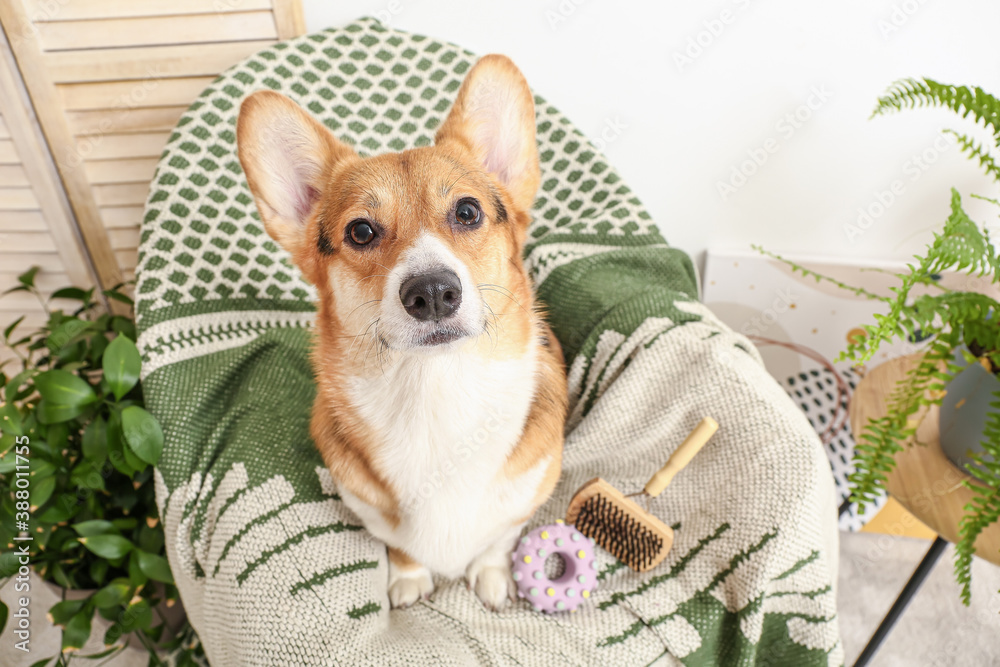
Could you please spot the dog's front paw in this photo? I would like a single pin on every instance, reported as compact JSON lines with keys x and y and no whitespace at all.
{"x":407,"y":586}
{"x":492,"y":582}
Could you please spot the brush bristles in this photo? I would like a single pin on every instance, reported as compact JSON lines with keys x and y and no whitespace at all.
{"x":620,"y":533}
{"x":636,"y":537}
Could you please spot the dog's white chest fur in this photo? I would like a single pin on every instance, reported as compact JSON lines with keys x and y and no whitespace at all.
{"x":447,"y":422}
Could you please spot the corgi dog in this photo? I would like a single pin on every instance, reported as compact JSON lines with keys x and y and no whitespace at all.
{"x":441,"y":390}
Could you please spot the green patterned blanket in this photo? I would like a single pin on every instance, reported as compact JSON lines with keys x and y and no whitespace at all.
{"x":274,"y":570}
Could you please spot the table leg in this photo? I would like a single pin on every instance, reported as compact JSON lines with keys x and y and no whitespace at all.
{"x":909,"y":590}
{"x":844,"y":507}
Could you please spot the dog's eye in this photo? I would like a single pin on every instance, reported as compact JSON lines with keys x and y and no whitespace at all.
{"x":467,"y":212}
{"x":361,"y":232}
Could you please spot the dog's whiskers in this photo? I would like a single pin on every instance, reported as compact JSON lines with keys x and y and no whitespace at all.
{"x":383,"y":349}
{"x":503,"y":291}
{"x":371,"y":345}
{"x":366,"y":303}
{"x":362,"y":335}
{"x":374,"y":275}
{"x":496,"y":324}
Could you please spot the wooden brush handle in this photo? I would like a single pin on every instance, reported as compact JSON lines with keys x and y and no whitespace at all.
{"x":680,"y":458}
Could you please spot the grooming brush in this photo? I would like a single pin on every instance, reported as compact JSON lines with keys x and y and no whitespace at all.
{"x":619,"y":524}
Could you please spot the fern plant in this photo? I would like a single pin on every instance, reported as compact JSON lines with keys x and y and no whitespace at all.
{"x":945,"y":319}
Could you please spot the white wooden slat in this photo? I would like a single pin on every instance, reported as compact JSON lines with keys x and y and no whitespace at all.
{"x":121,"y":146}
{"x":18,"y":199}
{"x":124,"y":239}
{"x":4,"y":132}
{"x":118,"y":217}
{"x":74,"y":10}
{"x":102,"y":121}
{"x":132,"y":170}
{"x":22,"y":221}
{"x":134,"y":94}
{"x":21,"y":302}
{"x":30,"y":242}
{"x":149,"y":31}
{"x":121,"y":194}
{"x":42,"y":138}
{"x":13,"y":176}
{"x":8,"y":154}
{"x":19,"y":262}
{"x":34,"y":318}
{"x":148,"y":62}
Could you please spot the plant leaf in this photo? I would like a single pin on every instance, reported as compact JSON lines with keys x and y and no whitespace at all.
{"x":10,"y":328}
{"x":115,"y":593}
{"x":61,"y":612}
{"x":66,"y":333}
{"x":125,"y":523}
{"x":95,"y":441}
{"x":118,"y":296}
{"x":107,"y":546}
{"x":133,"y":461}
{"x":138,"y":616}
{"x":123,"y":325}
{"x":3,"y":616}
{"x":41,"y":469}
{"x":135,"y":573}
{"x":98,"y":570}
{"x":74,"y":293}
{"x":10,"y":419}
{"x":95,"y":527}
{"x":28,"y":277}
{"x":42,"y":491}
{"x":12,"y":386}
{"x":77,"y":630}
{"x":9,"y":563}
{"x":61,"y":510}
{"x":62,"y":388}
{"x":142,"y":433}
{"x":116,"y":445}
{"x":121,"y":365}
{"x":155,"y":567}
{"x":52,"y":413}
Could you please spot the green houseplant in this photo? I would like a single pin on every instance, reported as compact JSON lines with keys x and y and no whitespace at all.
{"x":955,"y":326}
{"x":76,"y":477}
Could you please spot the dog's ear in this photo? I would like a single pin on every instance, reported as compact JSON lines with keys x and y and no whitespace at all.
{"x":494,"y":117}
{"x":287,"y":156}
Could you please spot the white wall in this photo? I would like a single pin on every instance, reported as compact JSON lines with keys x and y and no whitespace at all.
{"x":685,"y":126}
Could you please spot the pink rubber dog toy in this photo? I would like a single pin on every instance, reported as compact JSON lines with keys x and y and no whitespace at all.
{"x":578,"y":580}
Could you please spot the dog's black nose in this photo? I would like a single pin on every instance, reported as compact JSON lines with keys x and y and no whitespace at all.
{"x":431,"y":296}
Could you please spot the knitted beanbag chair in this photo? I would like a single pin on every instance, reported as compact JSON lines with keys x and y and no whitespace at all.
{"x":274,"y":570}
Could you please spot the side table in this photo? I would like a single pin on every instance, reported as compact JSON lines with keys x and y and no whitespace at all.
{"x":924,"y":481}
